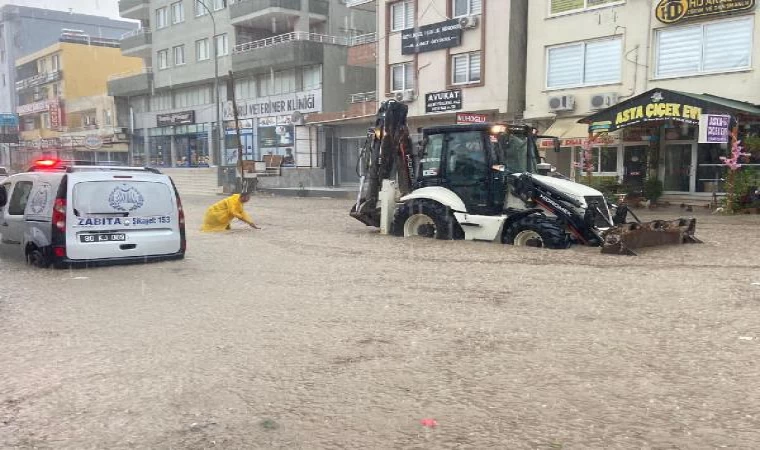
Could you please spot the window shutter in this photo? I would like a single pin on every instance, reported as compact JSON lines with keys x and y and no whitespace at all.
{"x":408,"y":76}
{"x":398,"y":16}
{"x":460,"y":7}
{"x":476,"y":6}
{"x":460,"y":68}
{"x":408,"y":15}
{"x":679,"y":50}
{"x":474,"y":67}
{"x":560,"y":6}
{"x":602,"y":63}
{"x":565,"y":66}
{"x":727,"y":45}
{"x":397,"y":78}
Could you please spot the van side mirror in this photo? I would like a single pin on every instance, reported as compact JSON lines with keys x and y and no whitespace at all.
{"x":3,"y":196}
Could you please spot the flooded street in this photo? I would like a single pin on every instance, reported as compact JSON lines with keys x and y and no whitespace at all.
{"x":317,"y":332}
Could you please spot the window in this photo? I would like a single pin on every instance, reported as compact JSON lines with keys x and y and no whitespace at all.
{"x":201,"y":50}
{"x":431,"y":161}
{"x":178,"y":12}
{"x":465,"y":68}
{"x":17,"y":204}
{"x":162,"y":20}
{"x":566,"y":6}
{"x":200,"y":9}
{"x":265,"y":84}
{"x":56,"y":62}
{"x":108,"y":118}
{"x":56,"y":89}
{"x":605,"y":159}
{"x":466,"y":7}
{"x":222,"y":45}
{"x":245,"y":88}
{"x":179,"y":55}
{"x":402,"y":77}
{"x":163,"y":59}
{"x":403,"y":15}
{"x":584,"y":64}
{"x":284,"y":82}
{"x":312,"y":77}
{"x":45,"y":121}
{"x":219,"y":4}
{"x":704,"y":48}
{"x":193,"y":96}
{"x":160,"y":101}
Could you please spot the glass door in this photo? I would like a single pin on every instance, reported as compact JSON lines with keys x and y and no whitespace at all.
{"x":634,"y":165}
{"x":677,"y":167}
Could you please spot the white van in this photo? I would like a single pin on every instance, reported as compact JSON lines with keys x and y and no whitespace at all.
{"x":62,"y":214}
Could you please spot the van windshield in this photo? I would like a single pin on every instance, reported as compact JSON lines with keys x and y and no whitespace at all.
{"x":126,"y":198}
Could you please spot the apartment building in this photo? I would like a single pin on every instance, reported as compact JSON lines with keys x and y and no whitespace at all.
{"x":24,"y":30}
{"x":63,"y":106}
{"x":642,"y":74}
{"x":289,"y":59}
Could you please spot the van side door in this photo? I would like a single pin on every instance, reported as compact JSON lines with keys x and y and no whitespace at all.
{"x":13,"y":223}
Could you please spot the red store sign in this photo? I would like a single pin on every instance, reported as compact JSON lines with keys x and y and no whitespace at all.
{"x":471,"y":118}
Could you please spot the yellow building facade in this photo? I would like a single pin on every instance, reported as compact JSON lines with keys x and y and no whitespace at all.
{"x":63,"y":104}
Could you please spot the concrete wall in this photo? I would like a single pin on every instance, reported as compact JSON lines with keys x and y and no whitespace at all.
{"x":339,"y":80}
{"x":499,"y":37}
{"x":635,"y":22}
{"x":293,"y":177}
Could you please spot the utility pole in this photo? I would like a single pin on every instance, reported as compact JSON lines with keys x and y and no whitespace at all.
{"x":217,"y":156}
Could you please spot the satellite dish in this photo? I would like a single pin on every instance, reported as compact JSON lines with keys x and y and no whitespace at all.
{"x":296,"y":118}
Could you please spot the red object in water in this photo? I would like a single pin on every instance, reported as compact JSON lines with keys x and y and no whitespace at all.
{"x":429,"y":423}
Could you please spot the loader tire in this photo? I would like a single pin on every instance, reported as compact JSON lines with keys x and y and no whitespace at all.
{"x":537,"y":231}
{"x":426,"y":219}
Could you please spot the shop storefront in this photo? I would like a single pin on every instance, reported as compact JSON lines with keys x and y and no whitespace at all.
{"x":270,"y":126}
{"x":666,"y":135}
{"x":92,"y":148}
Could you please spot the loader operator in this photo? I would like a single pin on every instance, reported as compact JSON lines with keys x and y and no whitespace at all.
{"x":219,"y":216}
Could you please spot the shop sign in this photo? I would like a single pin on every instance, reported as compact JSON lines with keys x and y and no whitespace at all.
{"x":304,"y":102}
{"x":443,"y":101}
{"x":674,"y":11}
{"x":8,"y":120}
{"x":55,"y":115}
{"x":713,"y":129}
{"x":8,"y":128}
{"x":93,"y":142}
{"x":178,"y":118}
{"x":471,"y":118}
{"x":660,"y":105}
{"x":580,"y":141}
{"x":33,"y":108}
{"x":432,"y":37}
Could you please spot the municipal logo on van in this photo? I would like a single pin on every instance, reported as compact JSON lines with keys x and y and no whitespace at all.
{"x":125,"y":198}
{"x":39,"y":201}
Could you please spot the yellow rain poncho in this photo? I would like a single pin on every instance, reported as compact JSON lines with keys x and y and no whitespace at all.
{"x":221,"y":213}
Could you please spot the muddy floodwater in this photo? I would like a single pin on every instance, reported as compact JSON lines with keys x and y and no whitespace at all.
{"x":317,"y":332}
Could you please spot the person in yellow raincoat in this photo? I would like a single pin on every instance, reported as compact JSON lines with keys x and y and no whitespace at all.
{"x":219,"y":216}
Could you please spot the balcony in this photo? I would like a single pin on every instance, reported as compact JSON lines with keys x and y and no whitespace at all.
{"x":134,"y":9}
{"x":137,"y":43}
{"x":39,"y":80}
{"x":283,"y":51}
{"x":130,"y":83}
{"x":354,"y":3}
{"x":275,"y":14}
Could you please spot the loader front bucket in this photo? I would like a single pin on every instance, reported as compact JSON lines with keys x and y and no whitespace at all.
{"x":624,"y":239}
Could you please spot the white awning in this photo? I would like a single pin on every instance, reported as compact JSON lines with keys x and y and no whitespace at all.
{"x":567,"y":128}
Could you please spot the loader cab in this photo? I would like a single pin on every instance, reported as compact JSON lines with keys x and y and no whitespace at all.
{"x":473,"y":160}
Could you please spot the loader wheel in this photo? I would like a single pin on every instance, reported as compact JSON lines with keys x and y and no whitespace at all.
{"x":537,"y":231}
{"x":426,"y":219}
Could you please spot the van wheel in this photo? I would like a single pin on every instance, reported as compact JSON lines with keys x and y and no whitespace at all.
{"x":37,"y":258}
{"x":426,"y":219}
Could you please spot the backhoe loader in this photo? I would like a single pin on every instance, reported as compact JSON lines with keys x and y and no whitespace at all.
{"x":487,"y":182}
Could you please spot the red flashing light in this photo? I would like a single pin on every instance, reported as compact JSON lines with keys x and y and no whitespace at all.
{"x":46,"y":163}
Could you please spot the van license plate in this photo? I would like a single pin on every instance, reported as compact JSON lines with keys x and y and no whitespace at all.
{"x":111,"y":237}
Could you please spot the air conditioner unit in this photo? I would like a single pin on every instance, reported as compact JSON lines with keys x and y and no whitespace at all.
{"x":562,"y":103}
{"x":602,"y":101}
{"x":469,"y":22}
{"x":407,"y":96}
{"x":398,"y":96}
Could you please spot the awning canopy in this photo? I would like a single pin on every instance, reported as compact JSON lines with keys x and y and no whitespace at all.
{"x":659,"y":105}
{"x":567,"y":128}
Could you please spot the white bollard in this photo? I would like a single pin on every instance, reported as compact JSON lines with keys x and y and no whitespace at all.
{"x":387,"y":205}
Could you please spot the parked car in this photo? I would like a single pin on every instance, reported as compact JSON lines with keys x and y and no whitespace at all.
{"x":63,"y":214}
